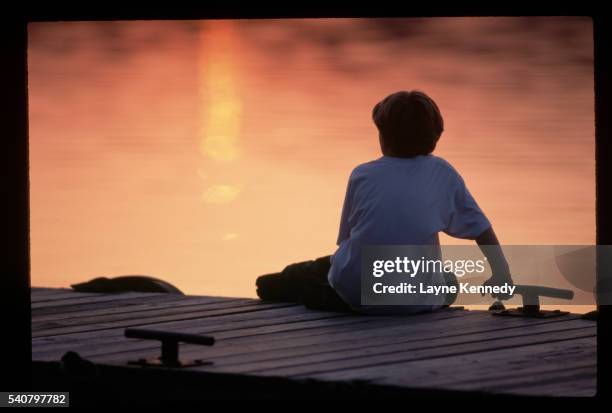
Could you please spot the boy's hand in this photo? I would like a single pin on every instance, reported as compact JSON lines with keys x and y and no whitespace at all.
{"x":499,"y":280}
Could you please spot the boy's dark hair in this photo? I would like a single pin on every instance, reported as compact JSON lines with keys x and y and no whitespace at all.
{"x":409,"y":124}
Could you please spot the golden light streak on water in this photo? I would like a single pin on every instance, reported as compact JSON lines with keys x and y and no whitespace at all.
{"x":218,"y":90}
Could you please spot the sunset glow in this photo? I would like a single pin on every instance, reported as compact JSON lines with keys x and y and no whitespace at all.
{"x":173,"y":148}
{"x":218,"y":90}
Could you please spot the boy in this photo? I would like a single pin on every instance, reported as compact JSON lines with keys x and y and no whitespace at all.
{"x":406,"y":197}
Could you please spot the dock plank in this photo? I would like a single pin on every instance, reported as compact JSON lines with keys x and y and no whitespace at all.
{"x":271,"y":323}
{"x":37,"y":294}
{"x":83,"y":308}
{"x":291,"y":345}
{"x":305,"y":363}
{"x":494,"y":371}
{"x":268,"y":338}
{"x":113,"y":338}
{"x":195,"y":310}
{"x":47,"y":297}
{"x":132,"y":308}
{"x":94,"y":298}
{"x":449,"y":349}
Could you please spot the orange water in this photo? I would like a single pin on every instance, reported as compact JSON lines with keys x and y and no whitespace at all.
{"x":207,"y":153}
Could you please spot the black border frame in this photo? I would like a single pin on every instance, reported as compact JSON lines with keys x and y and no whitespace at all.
{"x":16,"y":336}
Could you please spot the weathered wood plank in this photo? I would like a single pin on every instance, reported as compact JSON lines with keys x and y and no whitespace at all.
{"x":83,"y":342}
{"x":56,"y":328}
{"x":332,"y":352}
{"x":35,"y":290}
{"x":281,"y":336}
{"x":41,"y":298}
{"x":362,"y":346}
{"x":451,"y":349}
{"x":533,"y":377}
{"x":469,"y":367}
{"x":377,"y":322}
{"x":315,"y":364}
{"x":84,"y":307}
{"x":575,"y":383}
{"x":271,"y":323}
{"x":84,"y":321}
{"x":37,"y":293}
{"x":290,"y":345}
{"x":345,"y":324}
{"x":504,"y":371}
{"x":134,"y":308}
{"x":87,"y":298}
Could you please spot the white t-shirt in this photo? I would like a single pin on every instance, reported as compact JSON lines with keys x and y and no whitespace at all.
{"x":400,"y":201}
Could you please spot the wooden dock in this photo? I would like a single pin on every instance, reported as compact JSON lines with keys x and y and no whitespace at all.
{"x":261,"y":347}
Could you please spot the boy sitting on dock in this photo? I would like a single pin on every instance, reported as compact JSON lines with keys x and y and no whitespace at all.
{"x":406,"y":197}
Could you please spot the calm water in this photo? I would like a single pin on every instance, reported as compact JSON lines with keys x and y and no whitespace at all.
{"x":207,"y":153}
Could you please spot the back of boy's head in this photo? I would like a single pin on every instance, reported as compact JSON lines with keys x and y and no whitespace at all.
{"x":409,"y":124}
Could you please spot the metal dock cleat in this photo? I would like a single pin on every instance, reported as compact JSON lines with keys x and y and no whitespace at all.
{"x":169,"y":347}
{"x":531,"y":302}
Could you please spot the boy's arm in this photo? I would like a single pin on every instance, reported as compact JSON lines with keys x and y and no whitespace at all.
{"x":345,"y":230}
{"x":488,"y":243}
